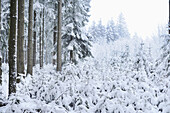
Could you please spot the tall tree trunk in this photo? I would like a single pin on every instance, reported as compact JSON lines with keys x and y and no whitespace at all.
{"x":43,"y":40}
{"x":11,"y":47}
{"x":30,"y":48}
{"x":34,"y":45}
{"x":0,"y":70}
{"x":59,"y":36}
{"x":46,"y":53}
{"x":55,"y":36}
{"x":169,"y":17}
{"x":25,"y":52}
{"x":0,"y":49}
{"x":20,"y":40}
{"x":40,"y":44}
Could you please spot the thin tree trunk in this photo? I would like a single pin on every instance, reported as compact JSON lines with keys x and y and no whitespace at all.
{"x":46,"y":61}
{"x":71,"y":53}
{"x":3,"y":56}
{"x":43,"y":41}
{"x":169,"y":17}
{"x":46,"y":53}
{"x":8,"y":35}
{"x":40,"y":40}
{"x":0,"y":71}
{"x":169,"y":26}
{"x":65,"y":57}
{"x":25,"y":52}
{"x":34,"y":46}
{"x":6,"y":55}
{"x":20,"y":40}
{"x":54,"y":36}
{"x":59,"y":36}
{"x":30,"y":48}
{"x":11,"y":47}
{"x":0,"y":49}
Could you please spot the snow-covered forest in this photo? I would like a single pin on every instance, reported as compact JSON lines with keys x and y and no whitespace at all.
{"x":51,"y":62}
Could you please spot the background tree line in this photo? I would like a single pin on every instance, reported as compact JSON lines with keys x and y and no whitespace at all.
{"x":112,"y":31}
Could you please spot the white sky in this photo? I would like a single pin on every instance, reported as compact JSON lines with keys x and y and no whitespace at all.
{"x":141,"y":16}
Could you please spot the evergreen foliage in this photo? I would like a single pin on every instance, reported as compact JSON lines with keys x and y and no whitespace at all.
{"x":75,"y":39}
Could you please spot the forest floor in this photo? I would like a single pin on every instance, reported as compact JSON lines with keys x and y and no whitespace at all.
{"x":88,"y":89}
{"x":98,"y":85}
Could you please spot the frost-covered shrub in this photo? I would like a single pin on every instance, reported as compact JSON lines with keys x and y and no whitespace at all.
{"x":91,"y":87}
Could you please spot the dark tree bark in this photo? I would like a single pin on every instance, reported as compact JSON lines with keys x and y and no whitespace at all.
{"x":40,"y":44}
{"x":59,"y":36}
{"x":42,"y":59}
{"x":0,"y":49}
{"x":30,"y":48}
{"x":0,"y":70}
{"x":3,"y":56}
{"x":55,"y":36}
{"x":20,"y":40}
{"x":169,"y":17}
{"x":6,"y":55}
{"x":46,"y":53}
{"x":11,"y":47}
{"x":71,"y":55}
{"x":34,"y":46}
{"x":25,"y":52}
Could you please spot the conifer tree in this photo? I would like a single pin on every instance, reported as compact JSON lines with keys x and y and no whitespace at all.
{"x":40,"y":42}
{"x":75,"y":40}
{"x":59,"y":35}
{"x":0,"y":49}
{"x":11,"y":47}
{"x":35,"y":42}
{"x":43,"y":32}
{"x":20,"y":40}
{"x":169,"y":17}
{"x":163,"y":63}
{"x":30,"y":48}
{"x":55,"y":34}
{"x":111,"y":33}
{"x":122,"y":27}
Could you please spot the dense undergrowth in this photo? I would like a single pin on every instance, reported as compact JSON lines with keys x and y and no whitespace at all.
{"x":110,"y":86}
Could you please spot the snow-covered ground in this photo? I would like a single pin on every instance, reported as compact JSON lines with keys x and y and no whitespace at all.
{"x":106,"y":83}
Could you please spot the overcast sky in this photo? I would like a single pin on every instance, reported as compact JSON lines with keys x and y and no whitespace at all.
{"x":141,"y":16}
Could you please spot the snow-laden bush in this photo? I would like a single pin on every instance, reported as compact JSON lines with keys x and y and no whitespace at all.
{"x":87,"y":88}
{"x":114,"y":84}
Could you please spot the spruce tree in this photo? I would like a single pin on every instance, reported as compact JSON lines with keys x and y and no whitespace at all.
{"x":122,"y":27}
{"x":20,"y":40}
{"x":75,"y":39}
{"x":11,"y":47}
{"x":0,"y":49}
{"x":55,"y":33}
{"x":163,"y":63}
{"x":30,"y":48}
{"x":35,"y":38}
{"x":59,"y":60}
